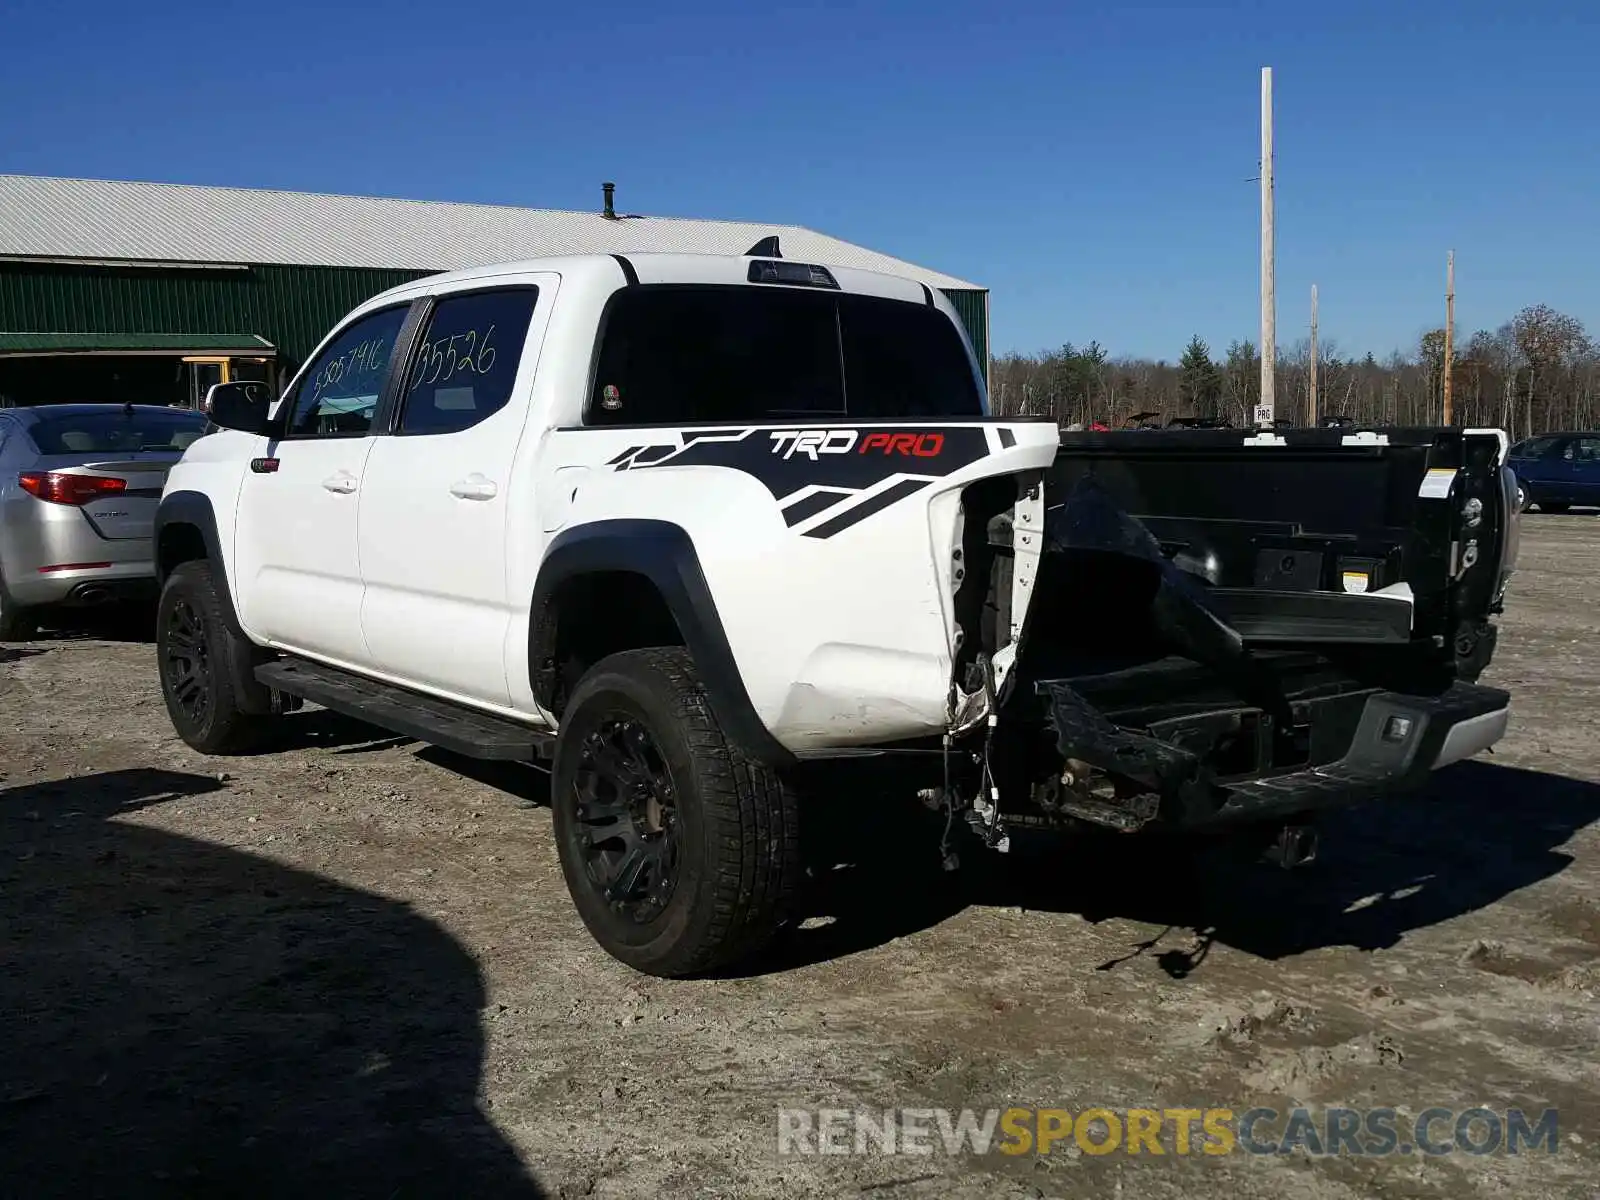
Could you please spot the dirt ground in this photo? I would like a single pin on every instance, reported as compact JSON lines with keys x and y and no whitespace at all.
{"x":349,"y":968}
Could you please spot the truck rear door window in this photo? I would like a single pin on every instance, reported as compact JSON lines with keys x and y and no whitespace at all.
{"x":674,"y":355}
{"x":466,"y":360}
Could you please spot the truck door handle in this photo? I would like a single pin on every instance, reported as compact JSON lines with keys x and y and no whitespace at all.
{"x":474,"y":487}
{"x":342,"y":482}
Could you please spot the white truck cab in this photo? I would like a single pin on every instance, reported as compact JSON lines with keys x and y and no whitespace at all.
{"x":397,"y":525}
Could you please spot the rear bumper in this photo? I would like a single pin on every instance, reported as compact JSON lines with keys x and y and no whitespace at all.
{"x":85,"y":586}
{"x":52,"y":554}
{"x":1355,"y":746}
{"x":1399,"y":741}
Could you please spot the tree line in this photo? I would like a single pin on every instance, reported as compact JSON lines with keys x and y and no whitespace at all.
{"x":1537,"y":372}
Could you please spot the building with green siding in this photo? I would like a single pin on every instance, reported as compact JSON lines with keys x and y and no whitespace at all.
{"x":151,"y":292}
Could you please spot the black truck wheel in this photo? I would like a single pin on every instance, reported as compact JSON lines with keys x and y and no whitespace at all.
{"x":202,"y":680}
{"x":680,"y":851}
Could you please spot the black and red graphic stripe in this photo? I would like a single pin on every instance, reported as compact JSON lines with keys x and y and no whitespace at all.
{"x":847,"y":473}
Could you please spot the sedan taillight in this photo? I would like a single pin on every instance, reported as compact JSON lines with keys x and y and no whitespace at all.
{"x":61,"y":487}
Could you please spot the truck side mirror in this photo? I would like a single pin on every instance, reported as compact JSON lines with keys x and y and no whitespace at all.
{"x":242,"y":405}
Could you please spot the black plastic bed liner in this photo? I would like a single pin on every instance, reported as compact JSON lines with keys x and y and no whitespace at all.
{"x":1207,"y":702}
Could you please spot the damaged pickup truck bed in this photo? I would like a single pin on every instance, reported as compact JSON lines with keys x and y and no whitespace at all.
{"x":675,"y":525}
{"x":1209,"y":628}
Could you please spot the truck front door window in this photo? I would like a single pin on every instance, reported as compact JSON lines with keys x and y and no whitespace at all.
{"x":338,"y":393}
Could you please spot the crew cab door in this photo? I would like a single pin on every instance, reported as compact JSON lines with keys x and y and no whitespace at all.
{"x":438,"y":491}
{"x":295,"y":554}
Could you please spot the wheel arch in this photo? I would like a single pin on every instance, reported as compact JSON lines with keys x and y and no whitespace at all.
{"x":625,"y":584}
{"x":186,"y":530}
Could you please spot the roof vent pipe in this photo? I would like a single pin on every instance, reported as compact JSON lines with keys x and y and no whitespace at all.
{"x":610,"y":190}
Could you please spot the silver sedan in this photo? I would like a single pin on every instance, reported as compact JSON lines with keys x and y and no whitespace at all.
{"x":79,"y":485}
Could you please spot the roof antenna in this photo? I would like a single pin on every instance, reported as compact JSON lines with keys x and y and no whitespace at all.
{"x":767,"y":247}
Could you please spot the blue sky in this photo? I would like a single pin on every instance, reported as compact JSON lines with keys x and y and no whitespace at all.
{"x":1088,"y":163}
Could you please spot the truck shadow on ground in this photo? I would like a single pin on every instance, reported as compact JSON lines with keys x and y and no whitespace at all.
{"x":182,"y":1019}
{"x":319,"y":728}
{"x":1476,"y":834}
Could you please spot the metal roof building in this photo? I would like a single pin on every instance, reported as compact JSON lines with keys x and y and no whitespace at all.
{"x":157,"y":290}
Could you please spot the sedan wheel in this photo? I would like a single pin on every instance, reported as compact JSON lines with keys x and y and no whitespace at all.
{"x":17,"y":624}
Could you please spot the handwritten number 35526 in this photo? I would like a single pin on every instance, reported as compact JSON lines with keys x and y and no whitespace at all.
{"x":441,"y":360}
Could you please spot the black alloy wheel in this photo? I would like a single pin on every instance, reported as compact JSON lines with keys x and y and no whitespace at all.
{"x":186,"y":661}
{"x":627,"y":818}
{"x":679,"y":849}
{"x":215,"y":704}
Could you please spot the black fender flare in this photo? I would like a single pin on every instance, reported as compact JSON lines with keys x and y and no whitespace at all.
{"x":241,"y":655}
{"x":194,"y":509}
{"x":664,"y":554}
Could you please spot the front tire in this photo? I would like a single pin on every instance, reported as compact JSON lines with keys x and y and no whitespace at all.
{"x":681,"y":852}
{"x":197,"y":653}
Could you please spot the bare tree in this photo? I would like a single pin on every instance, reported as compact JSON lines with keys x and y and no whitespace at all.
{"x":1241,"y":380}
{"x":1538,"y":371}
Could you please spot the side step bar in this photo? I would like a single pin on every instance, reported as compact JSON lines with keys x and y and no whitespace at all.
{"x":440,"y":723}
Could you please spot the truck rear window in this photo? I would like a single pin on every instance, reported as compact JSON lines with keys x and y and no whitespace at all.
{"x":673,"y":355}
{"x":117,"y":432}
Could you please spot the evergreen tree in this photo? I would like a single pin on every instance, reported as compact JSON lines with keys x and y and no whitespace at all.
{"x":1200,"y":385}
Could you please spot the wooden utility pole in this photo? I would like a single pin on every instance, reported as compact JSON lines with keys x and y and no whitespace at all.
{"x":1266,"y":410}
{"x":1449,"y":333}
{"x":1311,"y":402}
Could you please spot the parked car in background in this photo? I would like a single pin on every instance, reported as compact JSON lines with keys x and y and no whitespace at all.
{"x":1558,"y":470}
{"x":79,"y":485}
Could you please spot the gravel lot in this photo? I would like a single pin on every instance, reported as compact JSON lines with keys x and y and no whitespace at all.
{"x":349,"y":968}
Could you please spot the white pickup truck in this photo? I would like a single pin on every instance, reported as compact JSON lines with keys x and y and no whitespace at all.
{"x":678,"y":524}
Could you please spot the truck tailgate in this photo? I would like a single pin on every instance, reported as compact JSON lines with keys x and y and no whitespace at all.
{"x":1315,"y":536}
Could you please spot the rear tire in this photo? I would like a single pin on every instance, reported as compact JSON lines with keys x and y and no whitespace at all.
{"x":197,"y":653}
{"x":681,"y":852}
{"x":1553,"y":507}
{"x":17,"y":624}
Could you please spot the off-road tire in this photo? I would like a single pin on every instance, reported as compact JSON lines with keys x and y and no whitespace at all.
{"x":737,"y":860}
{"x":17,"y":624}
{"x":191,"y":606}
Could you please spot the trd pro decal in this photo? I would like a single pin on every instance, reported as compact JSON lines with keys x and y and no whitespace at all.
{"x":914,"y":445}
{"x":814,"y":442}
{"x":812,"y":472}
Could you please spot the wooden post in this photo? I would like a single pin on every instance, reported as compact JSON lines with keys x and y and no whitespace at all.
{"x":1266,"y":410}
{"x":1449,"y":333}
{"x":1311,"y":400}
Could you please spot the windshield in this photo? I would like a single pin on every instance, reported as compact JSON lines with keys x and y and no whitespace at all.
{"x":117,"y":431}
{"x":681,"y":354}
